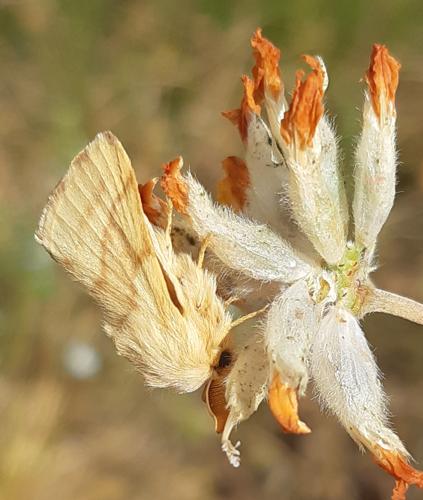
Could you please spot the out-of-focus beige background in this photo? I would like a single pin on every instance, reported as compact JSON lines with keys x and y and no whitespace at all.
{"x":75,"y":421}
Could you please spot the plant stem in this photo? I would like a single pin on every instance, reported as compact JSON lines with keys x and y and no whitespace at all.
{"x":396,"y":305}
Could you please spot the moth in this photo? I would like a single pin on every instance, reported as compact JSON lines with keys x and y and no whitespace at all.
{"x":160,"y":308}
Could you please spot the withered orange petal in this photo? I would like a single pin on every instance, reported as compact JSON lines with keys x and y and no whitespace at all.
{"x":232,"y":189}
{"x":306,"y":109}
{"x":400,"y":490}
{"x":214,"y":397}
{"x":241,"y":117}
{"x":266,"y":72}
{"x":398,"y":467}
{"x":283,"y":404}
{"x":312,"y":62}
{"x":287,"y":123}
{"x":248,"y":102}
{"x":154,"y":207}
{"x":382,"y":76}
{"x":174,"y":185}
{"x":233,"y":115}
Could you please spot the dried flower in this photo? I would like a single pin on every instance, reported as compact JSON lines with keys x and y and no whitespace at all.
{"x":312,"y":327}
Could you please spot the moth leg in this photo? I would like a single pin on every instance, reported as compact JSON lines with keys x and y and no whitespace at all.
{"x":202,"y":252}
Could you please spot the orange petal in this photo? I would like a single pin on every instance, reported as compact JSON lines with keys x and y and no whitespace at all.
{"x":382,"y":77}
{"x":154,"y":207}
{"x":399,"y":490}
{"x":231,"y":190}
{"x":241,"y":117}
{"x":266,"y":72}
{"x":306,"y":109}
{"x":283,"y":404}
{"x":174,"y":185}
{"x":397,"y":465}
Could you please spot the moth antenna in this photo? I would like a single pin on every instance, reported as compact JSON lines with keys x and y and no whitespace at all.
{"x":202,"y":252}
{"x":246,"y":317}
{"x":396,"y":305}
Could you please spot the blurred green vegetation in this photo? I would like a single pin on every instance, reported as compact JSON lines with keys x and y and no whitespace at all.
{"x":158,"y":73}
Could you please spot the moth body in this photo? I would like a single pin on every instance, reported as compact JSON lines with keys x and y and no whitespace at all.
{"x":160,"y":308}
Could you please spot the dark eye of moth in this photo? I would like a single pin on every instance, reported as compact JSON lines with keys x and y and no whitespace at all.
{"x":225,"y":359}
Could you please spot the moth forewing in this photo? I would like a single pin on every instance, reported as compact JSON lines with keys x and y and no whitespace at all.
{"x":94,"y":226}
{"x":88,"y":223}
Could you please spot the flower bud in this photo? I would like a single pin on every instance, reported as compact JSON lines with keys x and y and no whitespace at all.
{"x":316,"y":188}
{"x":376,"y":155}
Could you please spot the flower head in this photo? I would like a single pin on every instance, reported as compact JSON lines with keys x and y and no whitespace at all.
{"x":321,"y":285}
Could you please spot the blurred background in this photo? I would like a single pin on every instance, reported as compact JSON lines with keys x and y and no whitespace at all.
{"x":75,"y":420}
